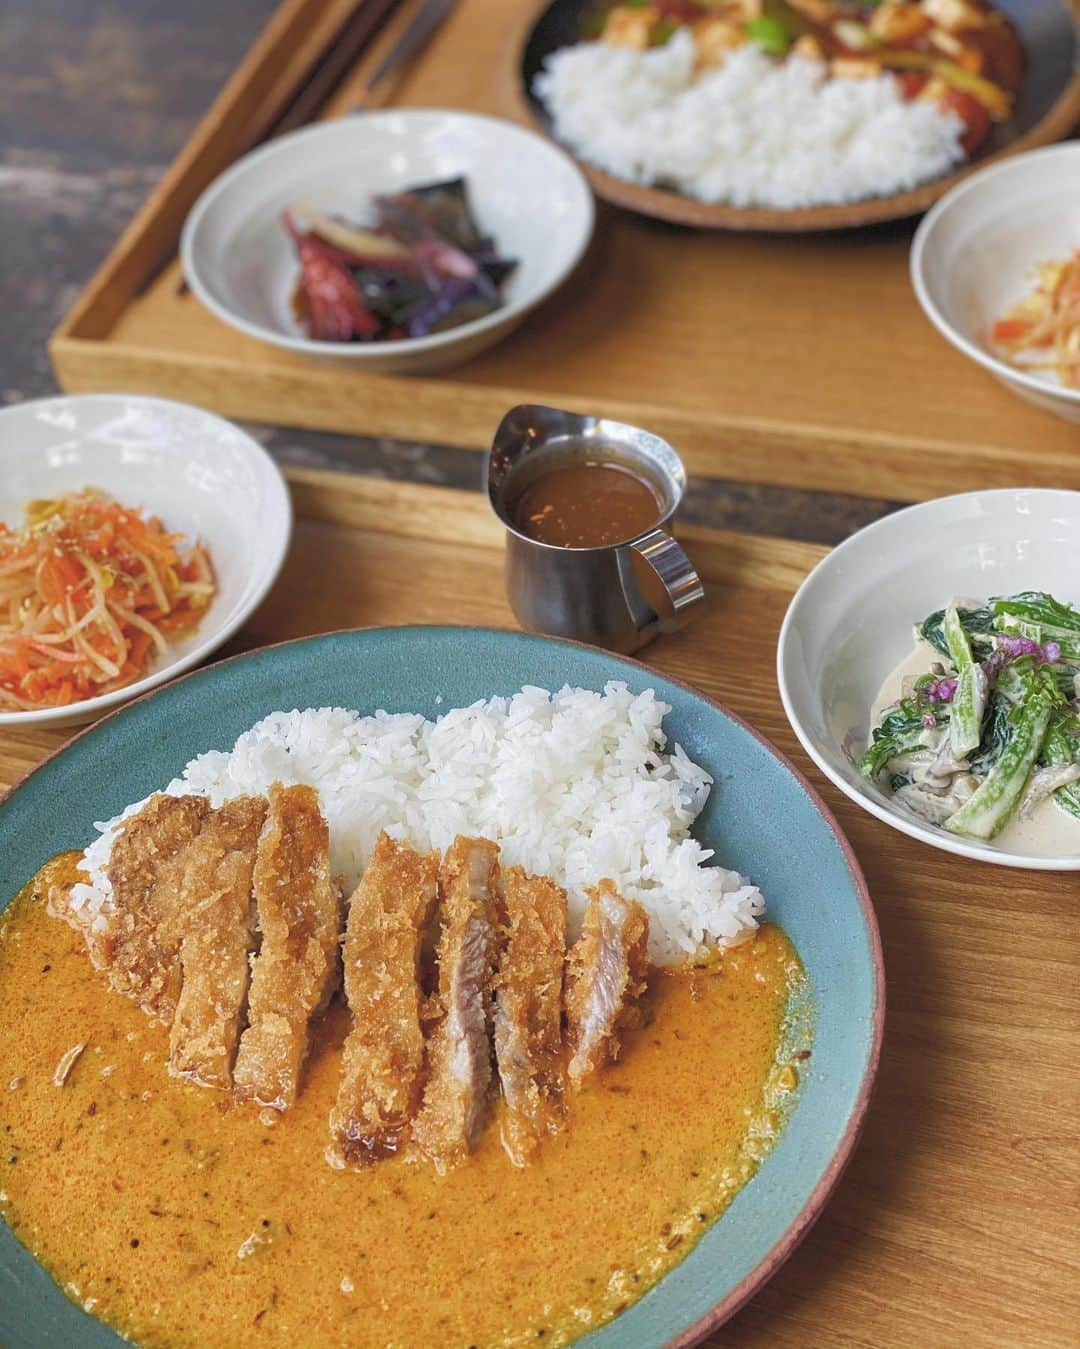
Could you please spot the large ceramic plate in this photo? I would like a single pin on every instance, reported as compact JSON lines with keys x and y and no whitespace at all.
{"x":1047,"y":110}
{"x":762,"y":818}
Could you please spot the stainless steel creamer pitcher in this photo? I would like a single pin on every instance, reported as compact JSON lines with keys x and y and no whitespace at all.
{"x":617,"y":596}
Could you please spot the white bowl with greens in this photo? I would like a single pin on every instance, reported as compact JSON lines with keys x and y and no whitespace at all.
{"x":930,"y":666}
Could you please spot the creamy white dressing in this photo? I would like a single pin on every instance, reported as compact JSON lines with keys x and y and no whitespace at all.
{"x":1049,"y":832}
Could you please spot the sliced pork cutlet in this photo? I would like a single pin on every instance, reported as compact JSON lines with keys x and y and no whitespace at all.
{"x":215,"y":895}
{"x":292,"y":977}
{"x":138,"y":945}
{"x":528,"y":1010}
{"x":383,"y":1058}
{"x":605,"y":976}
{"x":459,"y":1051}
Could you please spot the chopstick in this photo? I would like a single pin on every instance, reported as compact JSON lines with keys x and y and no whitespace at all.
{"x":362,"y":25}
{"x":359,"y":27}
{"x":422,"y":27}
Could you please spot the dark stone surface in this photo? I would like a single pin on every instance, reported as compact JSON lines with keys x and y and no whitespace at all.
{"x":96,"y":97}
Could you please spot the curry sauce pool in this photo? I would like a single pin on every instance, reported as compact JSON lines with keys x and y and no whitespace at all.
{"x":183,"y":1220}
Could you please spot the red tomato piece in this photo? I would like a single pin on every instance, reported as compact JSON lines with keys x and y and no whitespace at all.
{"x":911,"y":82}
{"x":972,"y":113}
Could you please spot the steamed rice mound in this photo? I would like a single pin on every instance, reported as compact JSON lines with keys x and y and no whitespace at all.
{"x":754,"y":132}
{"x":577,"y":785}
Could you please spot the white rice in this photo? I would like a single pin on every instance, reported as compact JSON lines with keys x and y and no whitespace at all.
{"x":755,"y":132}
{"x":576,"y":785}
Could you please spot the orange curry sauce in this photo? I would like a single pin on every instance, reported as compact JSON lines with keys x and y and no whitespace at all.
{"x":182,"y":1220}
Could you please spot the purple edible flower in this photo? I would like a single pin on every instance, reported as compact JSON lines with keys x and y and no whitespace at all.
{"x":1018,"y":646}
{"x":940,"y":691}
{"x":1010,"y":648}
{"x":929,"y":721}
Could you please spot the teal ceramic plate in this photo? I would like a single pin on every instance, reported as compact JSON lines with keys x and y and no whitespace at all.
{"x":762,"y":818}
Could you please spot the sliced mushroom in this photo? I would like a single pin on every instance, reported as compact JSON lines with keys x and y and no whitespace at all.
{"x":1043,"y":783}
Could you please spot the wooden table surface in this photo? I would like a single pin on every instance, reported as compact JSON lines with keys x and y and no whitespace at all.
{"x":955,"y":1224}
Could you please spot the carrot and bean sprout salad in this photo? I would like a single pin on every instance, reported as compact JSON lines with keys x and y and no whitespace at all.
{"x":91,"y":592}
{"x":1042,"y":332}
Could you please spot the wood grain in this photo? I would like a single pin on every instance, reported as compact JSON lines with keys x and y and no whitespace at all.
{"x":252,"y":98}
{"x":955,"y":1223}
{"x":796,"y":361}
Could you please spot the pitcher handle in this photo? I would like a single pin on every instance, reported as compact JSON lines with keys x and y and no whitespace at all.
{"x":659,"y":551}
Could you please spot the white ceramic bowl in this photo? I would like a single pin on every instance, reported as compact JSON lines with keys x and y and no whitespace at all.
{"x":973,"y":255}
{"x":525,"y":192}
{"x":850,"y":624}
{"x":203,"y":477}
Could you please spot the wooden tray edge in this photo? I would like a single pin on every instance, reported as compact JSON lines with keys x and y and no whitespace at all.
{"x":877,"y":464}
{"x":459,"y":518}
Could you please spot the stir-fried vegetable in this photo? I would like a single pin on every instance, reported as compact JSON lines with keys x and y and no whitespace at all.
{"x":424,"y":266}
{"x":770,"y":34}
{"x":963,"y":55}
{"x":995,"y":733}
{"x":978,"y":624}
{"x":905,"y":729}
{"x":969,"y":694}
{"x":993,"y":729}
{"x":1041,"y":619}
{"x":997,"y":101}
{"x":1062,"y":747}
{"x":986,"y":813}
{"x":90,"y":593}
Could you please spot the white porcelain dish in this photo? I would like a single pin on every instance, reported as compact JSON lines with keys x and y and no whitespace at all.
{"x":973,"y":255}
{"x":200,"y":474}
{"x":850,"y":623}
{"x":525,"y":191}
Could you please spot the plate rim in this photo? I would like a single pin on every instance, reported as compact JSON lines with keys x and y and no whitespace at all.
{"x":663,"y":204}
{"x":826,"y":1183}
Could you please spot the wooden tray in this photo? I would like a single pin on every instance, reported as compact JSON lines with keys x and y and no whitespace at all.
{"x":798,"y":361}
{"x":954,"y":1224}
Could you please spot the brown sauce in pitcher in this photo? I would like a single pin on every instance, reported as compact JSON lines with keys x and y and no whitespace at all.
{"x":586,"y":503}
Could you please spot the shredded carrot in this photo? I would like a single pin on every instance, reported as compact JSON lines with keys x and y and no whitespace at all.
{"x":91,"y":593}
{"x":1008,"y":330}
{"x":1043,"y":330}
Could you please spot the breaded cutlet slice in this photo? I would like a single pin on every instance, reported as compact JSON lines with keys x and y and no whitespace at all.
{"x":605,"y":976}
{"x":215,"y":894}
{"x":383,"y":1056}
{"x":293,"y":975}
{"x":139,"y":944}
{"x":528,"y":1010}
{"x":459,"y":1051}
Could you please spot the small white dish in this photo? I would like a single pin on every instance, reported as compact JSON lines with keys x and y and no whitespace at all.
{"x":200,"y":474}
{"x":850,"y":624}
{"x":973,"y":257}
{"x":528,"y":194}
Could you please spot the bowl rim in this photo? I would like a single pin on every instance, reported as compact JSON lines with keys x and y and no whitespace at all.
{"x":830,"y":1177}
{"x":257,"y":582}
{"x":883,"y":809}
{"x":361,"y":351}
{"x":917,"y":267}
